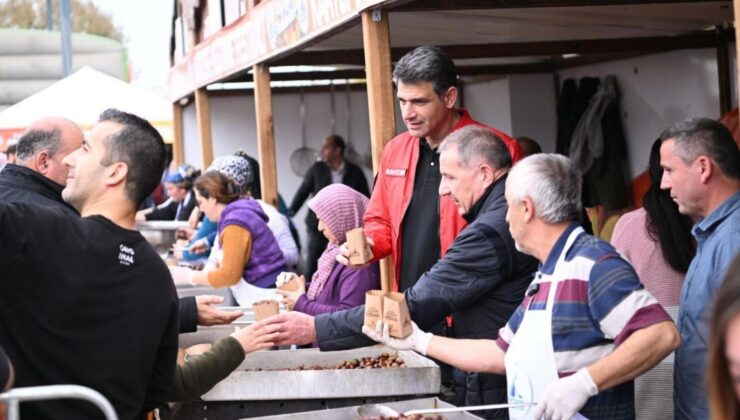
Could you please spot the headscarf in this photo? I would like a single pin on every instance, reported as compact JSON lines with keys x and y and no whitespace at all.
{"x":182,"y":173}
{"x":237,"y":168}
{"x":341,"y":209}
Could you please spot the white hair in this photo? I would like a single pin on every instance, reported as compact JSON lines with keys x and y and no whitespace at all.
{"x":553,"y":184}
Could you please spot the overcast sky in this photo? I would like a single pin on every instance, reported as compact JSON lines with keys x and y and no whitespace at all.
{"x":146,"y":28}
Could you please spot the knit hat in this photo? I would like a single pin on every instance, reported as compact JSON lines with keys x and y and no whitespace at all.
{"x":237,"y":168}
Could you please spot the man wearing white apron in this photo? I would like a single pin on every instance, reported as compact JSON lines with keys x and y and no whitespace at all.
{"x":586,"y":327}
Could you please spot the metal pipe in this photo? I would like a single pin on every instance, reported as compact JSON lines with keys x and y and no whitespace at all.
{"x":50,"y":392}
{"x":49,"y":16}
{"x":65,"y":12}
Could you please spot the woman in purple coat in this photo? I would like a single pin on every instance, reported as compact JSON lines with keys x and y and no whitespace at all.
{"x":335,"y":287}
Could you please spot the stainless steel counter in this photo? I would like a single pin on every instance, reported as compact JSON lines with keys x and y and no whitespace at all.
{"x":351,"y":412}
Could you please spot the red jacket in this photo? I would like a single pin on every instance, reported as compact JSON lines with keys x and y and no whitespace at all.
{"x":392,"y":195}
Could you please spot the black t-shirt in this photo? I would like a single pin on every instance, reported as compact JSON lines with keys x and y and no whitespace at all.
{"x":86,"y":302}
{"x":420,"y":248}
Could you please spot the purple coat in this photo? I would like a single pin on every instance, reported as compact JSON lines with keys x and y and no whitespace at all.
{"x":345,"y":288}
{"x":266,"y":258}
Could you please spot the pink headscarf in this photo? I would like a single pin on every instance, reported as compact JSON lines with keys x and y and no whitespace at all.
{"x":341,"y":209}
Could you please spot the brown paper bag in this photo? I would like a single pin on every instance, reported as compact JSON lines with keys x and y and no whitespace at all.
{"x":265,"y":309}
{"x":290,"y":286}
{"x":396,"y":314}
{"x":359,"y":251}
{"x":373,"y":307}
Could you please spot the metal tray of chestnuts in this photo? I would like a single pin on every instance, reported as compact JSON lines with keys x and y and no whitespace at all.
{"x":312,"y":374}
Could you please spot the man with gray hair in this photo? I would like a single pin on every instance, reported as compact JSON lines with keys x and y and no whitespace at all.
{"x":586,"y":327}
{"x":701,"y":168}
{"x":480,"y":281}
{"x":38,"y":175}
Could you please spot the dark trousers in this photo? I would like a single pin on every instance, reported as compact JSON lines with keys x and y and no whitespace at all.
{"x":316,"y":245}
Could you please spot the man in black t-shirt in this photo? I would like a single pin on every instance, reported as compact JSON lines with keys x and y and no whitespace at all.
{"x":86,"y":300}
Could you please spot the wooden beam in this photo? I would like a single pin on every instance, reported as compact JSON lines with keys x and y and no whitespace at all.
{"x":178,"y":143}
{"x":723,"y":71}
{"x":704,"y":39}
{"x":432,"y":5}
{"x":380,"y":98}
{"x":736,"y":7}
{"x":265,"y":133}
{"x":203,"y":115}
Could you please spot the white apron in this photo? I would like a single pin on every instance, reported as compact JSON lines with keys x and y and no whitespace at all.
{"x":530,"y":359}
{"x":244,"y":293}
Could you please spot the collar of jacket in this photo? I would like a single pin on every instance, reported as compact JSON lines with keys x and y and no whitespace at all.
{"x":22,"y":171}
{"x":482,"y":202}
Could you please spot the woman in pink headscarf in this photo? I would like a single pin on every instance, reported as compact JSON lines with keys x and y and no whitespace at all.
{"x":335,"y":287}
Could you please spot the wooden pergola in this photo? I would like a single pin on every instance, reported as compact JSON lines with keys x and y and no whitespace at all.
{"x":484,"y":37}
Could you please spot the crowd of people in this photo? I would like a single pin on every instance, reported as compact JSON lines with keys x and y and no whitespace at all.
{"x":506,"y":288}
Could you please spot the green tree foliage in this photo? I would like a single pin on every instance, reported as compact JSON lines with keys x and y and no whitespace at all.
{"x":31,"y":14}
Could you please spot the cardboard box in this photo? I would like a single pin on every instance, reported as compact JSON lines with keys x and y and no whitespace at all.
{"x":359,"y":250}
{"x":396,"y":314}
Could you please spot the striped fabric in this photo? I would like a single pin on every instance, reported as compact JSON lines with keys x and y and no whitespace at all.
{"x":598,"y":304}
{"x":654,"y":388}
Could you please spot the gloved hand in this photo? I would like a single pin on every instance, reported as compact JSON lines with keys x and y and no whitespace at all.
{"x":564,"y":397}
{"x":417,"y":341}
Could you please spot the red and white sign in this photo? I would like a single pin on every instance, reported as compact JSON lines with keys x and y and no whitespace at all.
{"x":271,"y":28}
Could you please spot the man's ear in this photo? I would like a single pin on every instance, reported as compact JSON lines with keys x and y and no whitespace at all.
{"x":42,"y":162}
{"x":528,"y":209}
{"x":116,"y":174}
{"x":450,"y":97}
{"x":705,"y":167}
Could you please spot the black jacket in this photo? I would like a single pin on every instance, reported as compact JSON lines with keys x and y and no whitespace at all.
{"x":168,"y":209}
{"x":318,"y":177}
{"x":19,"y":184}
{"x":480,"y":281}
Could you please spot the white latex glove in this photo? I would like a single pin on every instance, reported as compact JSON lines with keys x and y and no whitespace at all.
{"x":417,"y":341}
{"x":182,"y":275}
{"x":564,"y":397}
{"x":284,"y":277}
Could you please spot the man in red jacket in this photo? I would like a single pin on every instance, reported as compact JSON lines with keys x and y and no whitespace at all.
{"x":406,"y":217}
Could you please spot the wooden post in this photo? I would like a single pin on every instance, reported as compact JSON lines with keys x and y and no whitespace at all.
{"x":380,"y":97}
{"x":178,"y":143}
{"x":203,"y":114}
{"x":265,"y":133}
{"x":736,"y":4}
{"x":723,"y":71}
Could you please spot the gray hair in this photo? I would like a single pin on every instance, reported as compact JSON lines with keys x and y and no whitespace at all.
{"x":553,"y":184}
{"x":478,"y":142}
{"x":694,"y":137}
{"x":33,"y":142}
{"x":427,"y":64}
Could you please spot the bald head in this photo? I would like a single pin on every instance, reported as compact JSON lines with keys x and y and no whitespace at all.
{"x":45,"y":143}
